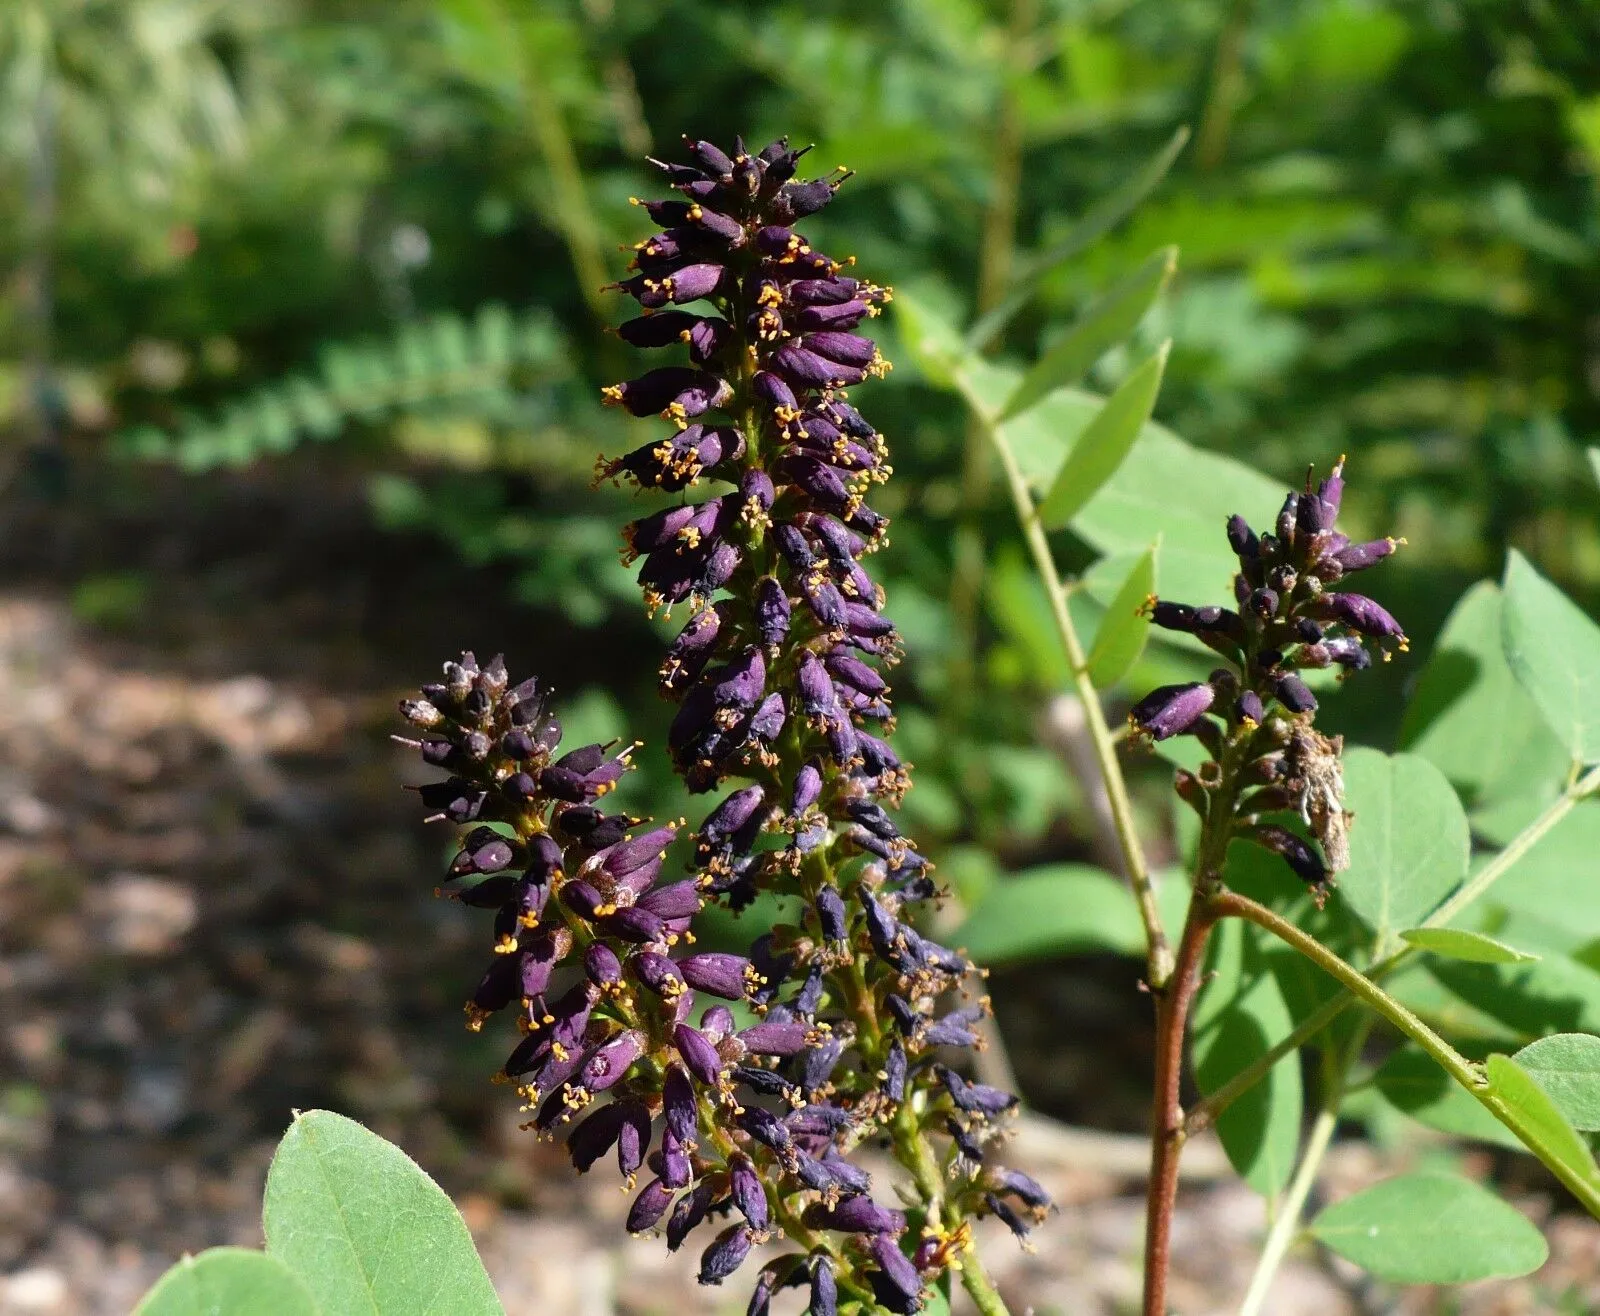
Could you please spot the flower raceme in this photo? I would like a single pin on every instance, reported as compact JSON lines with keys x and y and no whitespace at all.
{"x":1255,"y":715}
{"x":783,"y":709}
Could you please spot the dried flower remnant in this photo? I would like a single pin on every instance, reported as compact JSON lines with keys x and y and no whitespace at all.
{"x":1255,"y":715}
{"x":779,"y":674}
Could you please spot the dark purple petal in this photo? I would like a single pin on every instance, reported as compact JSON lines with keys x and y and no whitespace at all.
{"x":725,"y":1255}
{"x":1170,"y":710}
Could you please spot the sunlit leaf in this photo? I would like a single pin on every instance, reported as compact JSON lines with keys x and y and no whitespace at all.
{"x":1408,"y":844}
{"x":1567,"y":1067}
{"x":1554,"y":651}
{"x":366,"y":1229}
{"x":1104,"y":442}
{"x":1430,"y":1228}
{"x":228,"y":1281}
{"x":1456,"y":944}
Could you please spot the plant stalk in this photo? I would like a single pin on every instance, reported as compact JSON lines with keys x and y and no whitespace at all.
{"x":1167,"y":1133}
{"x":1160,"y":962}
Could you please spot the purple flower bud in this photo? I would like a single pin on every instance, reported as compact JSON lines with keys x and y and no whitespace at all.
{"x":600,"y":962}
{"x":1023,"y":1186}
{"x":719,"y":974}
{"x":774,"y":1038}
{"x":1250,"y":708}
{"x":678,"y":1105}
{"x":1170,"y":710}
{"x":595,"y":1136}
{"x":658,"y":973}
{"x":675,"y":901}
{"x":771,"y":389}
{"x":676,"y":1168}
{"x":649,"y":1206}
{"x":766,"y":1128}
{"x":855,"y":673}
{"x":699,"y":1056}
{"x":675,"y":390}
{"x":749,"y":1196}
{"x":831,"y":915}
{"x":975,"y":1098}
{"x":1007,"y":1216}
{"x":1300,"y":855}
{"x":806,"y":369}
{"x":895,"y":1283}
{"x":1357,"y":557}
{"x":688,"y":1214}
{"x":766,"y":723}
{"x":1361,"y":614}
{"x":1241,"y":538}
{"x":717,"y":1023}
{"x":1331,"y":490}
{"x":633,"y":1137}
{"x":894,"y":1072}
{"x":772,"y":611}
{"x":855,"y":1215}
{"x":824,"y":1288}
{"x":1294,"y":694}
{"x":725,"y":1255}
{"x":607,"y":1065}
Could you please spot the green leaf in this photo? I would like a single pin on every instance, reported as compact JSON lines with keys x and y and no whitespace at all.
{"x":1409,"y":842}
{"x":1471,"y":719}
{"x":1534,"y":1116}
{"x":228,"y":1281}
{"x":1412,"y":1081}
{"x":1594,"y":461}
{"x":1555,"y":880}
{"x":1554,"y":651}
{"x":1456,"y":944}
{"x":366,"y":1229}
{"x":1104,"y":442}
{"x":1120,"y":639}
{"x":933,"y":343}
{"x":1567,"y":1067}
{"x":1098,"y":220}
{"x":1060,"y":909}
{"x":1105,"y":323}
{"x":1241,"y":1014}
{"x":1430,"y":1228}
{"x":1169,"y":488}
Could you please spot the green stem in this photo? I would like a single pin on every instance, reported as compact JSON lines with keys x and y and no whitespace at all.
{"x":1205,"y":1113}
{"x":1462,"y":1070}
{"x":1160,"y":965}
{"x":1287,"y":1225}
{"x":980,"y":1288}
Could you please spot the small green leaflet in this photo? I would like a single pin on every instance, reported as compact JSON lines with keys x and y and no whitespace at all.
{"x":1104,"y":442}
{"x":1461,"y":945}
{"x":1121,"y":637}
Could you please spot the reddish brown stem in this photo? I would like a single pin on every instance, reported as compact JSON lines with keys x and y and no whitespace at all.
{"x":1167,"y":1136}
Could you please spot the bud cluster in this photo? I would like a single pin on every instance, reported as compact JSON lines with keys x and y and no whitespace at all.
{"x":784,"y":706}
{"x":1254,"y":716}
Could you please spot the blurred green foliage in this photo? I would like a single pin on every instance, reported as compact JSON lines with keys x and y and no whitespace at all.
{"x":240,"y":227}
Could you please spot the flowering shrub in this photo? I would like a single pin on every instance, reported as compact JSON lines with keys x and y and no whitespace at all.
{"x":735,"y":1088}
